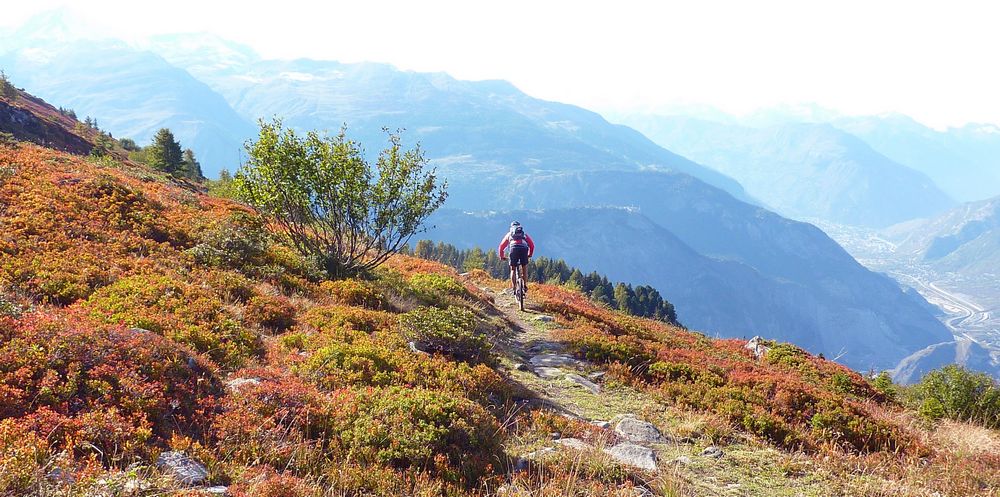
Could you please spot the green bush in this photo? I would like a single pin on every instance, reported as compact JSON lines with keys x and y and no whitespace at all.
{"x":669,"y":371}
{"x":240,"y":243}
{"x":454,"y":331}
{"x":436,"y":289}
{"x":407,"y":427}
{"x":882,"y":383}
{"x":956,"y":393}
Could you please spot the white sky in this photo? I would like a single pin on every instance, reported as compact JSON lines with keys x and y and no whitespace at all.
{"x":935,"y":61}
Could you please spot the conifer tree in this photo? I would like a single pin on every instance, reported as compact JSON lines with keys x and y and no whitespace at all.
{"x":190,"y":166}
{"x":165,"y":153}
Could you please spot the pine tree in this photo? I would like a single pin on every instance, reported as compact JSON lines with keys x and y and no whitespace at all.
{"x":475,"y":260}
{"x":7,"y":89}
{"x":190,"y":166}
{"x":165,"y":153}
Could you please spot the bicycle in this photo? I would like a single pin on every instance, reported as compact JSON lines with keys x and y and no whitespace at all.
{"x":520,"y":288}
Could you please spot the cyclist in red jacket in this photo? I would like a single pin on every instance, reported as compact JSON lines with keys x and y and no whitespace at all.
{"x":521,"y":249}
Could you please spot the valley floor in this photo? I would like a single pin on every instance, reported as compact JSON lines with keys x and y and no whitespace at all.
{"x":969,"y":307}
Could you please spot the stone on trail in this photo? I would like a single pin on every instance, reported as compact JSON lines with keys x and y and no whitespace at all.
{"x":633,"y":455}
{"x":554,"y":360}
{"x":636,"y":430}
{"x":183,"y":468}
{"x":713,"y":452}
{"x":574,"y":443}
{"x":583,"y":382}
{"x":544,"y":319}
{"x":549,"y":373}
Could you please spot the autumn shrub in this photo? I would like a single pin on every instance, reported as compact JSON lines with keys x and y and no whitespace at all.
{"x":410,"y":427}
{"x":345,"y":323}
{"x":954,"y":392}
{"x":229,"y":286}
{"x":23,"y":454}
{"x":602,"y":348}
{"x":385,"y":362}
{"x":270,"y":483}
{"x":274,"y":312}
{"x":454,"y":331}
{"x":93,"y":388}
{"x":125,"y":209}
{"x":845,"y":425}
{"x":239,"y":242}
{"x":280,"y":420}
{"x":354,"y":292}
{"x":190,"y":314}
{"x":289,"y":424}
{"x":437,"y":289}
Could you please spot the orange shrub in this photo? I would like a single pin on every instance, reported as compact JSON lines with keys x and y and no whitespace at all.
{"x":274,"y":312}
{"x":101,"y":389}
{"x":190,"y":314}
{"x":354,"y":292}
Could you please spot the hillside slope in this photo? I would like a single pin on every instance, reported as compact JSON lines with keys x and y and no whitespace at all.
{"x":500,"y":149}
{"x":132,"y":94}
{"x":145,"y":324}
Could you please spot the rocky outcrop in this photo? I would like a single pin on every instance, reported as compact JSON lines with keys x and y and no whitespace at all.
{"x":182,"y":467}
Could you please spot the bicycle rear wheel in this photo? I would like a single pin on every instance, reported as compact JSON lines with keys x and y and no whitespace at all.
{"x":519,"y":292}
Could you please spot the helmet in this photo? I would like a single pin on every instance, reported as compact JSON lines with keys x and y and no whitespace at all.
{"x":514,"y":224}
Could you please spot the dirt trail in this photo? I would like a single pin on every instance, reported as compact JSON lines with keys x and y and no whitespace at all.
{"x":540,"y":363}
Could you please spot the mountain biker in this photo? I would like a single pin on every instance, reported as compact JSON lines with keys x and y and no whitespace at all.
{"x":521,"y":249}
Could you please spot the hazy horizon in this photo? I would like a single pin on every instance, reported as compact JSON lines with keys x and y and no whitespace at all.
{"x":852,"y":58}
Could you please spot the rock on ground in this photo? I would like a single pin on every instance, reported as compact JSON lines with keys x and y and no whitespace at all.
{"x":183,"y":468}
{"x":554,"y":360}
{"x":583,"y":382}
{"x":549,"y":373}
{"x":574,"y":443}
{"x":237,"y":383}
{"x":756,"y":345}
{"x":713,"y":452}
{"x":635,"y":430}
{"x":633,"y":455}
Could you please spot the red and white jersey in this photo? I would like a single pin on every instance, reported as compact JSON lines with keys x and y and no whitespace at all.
{"x":508,"y":241}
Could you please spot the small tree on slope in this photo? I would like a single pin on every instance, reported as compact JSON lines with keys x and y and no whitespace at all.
{"x":331,"y":203}
{"x":165,"y":153}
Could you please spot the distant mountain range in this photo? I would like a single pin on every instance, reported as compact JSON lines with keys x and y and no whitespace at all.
{"x":606,"y":197}
{"x":861,"y":318}
{"x":803,"y":170}
{"x":964,"y":240}
{"x":964,"y":162}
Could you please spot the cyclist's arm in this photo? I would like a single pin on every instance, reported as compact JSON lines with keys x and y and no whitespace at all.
{"x":531,"y":245}
{"x":503,"y":246}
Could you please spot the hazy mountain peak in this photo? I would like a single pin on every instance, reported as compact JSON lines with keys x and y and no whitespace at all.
{"x":205,"y":51}
{"x":54,"y":30}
